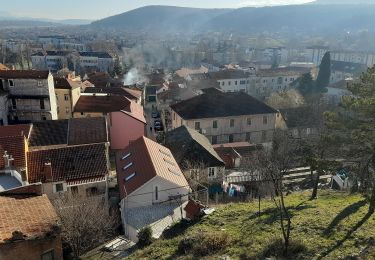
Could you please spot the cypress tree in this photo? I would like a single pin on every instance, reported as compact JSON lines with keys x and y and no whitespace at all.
{"x":324,"y":75}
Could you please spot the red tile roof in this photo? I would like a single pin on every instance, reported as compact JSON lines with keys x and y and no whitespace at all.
{"x":34,"y":216}
{"x":24,"y":74}
{"x":14,"y":130}
{"x":3,"y":67}
{"x":69,"y":164}
{"x":136,"y":111}
{"x":15,"y":147}
{"x":102,"y":104}
{"x":147,"y":159}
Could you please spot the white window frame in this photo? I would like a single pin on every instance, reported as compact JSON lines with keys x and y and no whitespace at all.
{"x":55,"y":187}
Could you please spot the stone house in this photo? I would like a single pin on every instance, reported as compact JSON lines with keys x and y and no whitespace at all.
{"x":226,"y":117}
{"x":31,"y":95}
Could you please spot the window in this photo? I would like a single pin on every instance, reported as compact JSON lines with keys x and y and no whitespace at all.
{"x":59,"y":187}
{"x":280,"y":80}
{"x":265,"y":120}
{"x":74,"y":190}
{"x":231,"y":123}
{"x":82,"y":113}
{"x":130,"y":176}
{"x":308,"y":131}
{"x":229,"y":82}
{"x":40,"y":84}
{"x":235,"y":83}
{"x":11,"y":83}
{"x":67,"y":110}
{"x":248,"y":137}
{"x":249,"y":121}
{"x":264,"y":136}
{"x":44,"y":118}
{"x":50,"y":255}
{"x":214,"y":139}
{"x":214,"y":124}
{"x":156,"y":193}
{"x":42,"y":103}
{"x":242,"y":82}
{"x":125,"y":156}
{"x":128,"y":165}
{"x":211,"y":172}
{"x":197,"y":125}
{"x":14,"y":103}
{"x":223,"y":83}
{"x":174,"y":116}
{"x":231,"y":139}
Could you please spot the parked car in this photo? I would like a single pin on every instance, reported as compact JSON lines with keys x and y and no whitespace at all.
{"x":155,"y":114}
{"x":158,"y":126}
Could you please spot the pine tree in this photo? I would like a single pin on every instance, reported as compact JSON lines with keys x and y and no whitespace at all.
{"x":356,"y":128}
{"x":324,"y":75}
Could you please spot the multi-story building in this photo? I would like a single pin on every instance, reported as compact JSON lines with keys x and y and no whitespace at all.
{"x":31,"y":95}
{"x":226,"y":117}
{"x":67,"y":92}
{"x":80,"y":61}
{"x":272,"y":80}
{"x":101,"y":61}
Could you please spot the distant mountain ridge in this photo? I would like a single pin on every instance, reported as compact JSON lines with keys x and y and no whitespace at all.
{"x":307,"y":18}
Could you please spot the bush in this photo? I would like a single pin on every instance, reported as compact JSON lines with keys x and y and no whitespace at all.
{"x":276,"y":249}
{"x":202,"y":244}
{"x":145,"y":237}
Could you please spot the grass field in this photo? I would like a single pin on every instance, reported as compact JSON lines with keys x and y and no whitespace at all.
{"x":335,"y":226}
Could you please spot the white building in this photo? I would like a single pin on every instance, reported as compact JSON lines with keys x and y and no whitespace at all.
{"x":152,"y":187}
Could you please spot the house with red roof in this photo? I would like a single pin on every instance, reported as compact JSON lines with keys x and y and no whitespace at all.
{"x":125,"y":117}
{"x":153,"y":189}
{"x":30,"y":227}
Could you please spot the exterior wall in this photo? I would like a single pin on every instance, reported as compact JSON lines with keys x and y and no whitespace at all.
{"x":234,"y":85}
{"x":64,"y":107}
{"x":31,"y":249}
{"x":50,"y":190}
{"x":145,"y":195}
{"x":124,"y":129}
{"x":66,"y":100}
{"x":27,"y":95}
{"x":90,"y":114}
{"x":4,"y":110}
{"x":264,"y":85}
{"x":256,"y":133}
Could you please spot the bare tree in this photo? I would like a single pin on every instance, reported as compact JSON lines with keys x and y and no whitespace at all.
{"x":272,"y":166}
{"x":86,"y":222}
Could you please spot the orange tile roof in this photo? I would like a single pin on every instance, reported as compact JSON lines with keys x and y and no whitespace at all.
{"x":34,"y":216}
{"x":149,"y":159}
{"x":3,"y":67}
{"x":136,"y":111}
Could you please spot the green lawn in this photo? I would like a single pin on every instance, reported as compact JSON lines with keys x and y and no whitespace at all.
{"x":334,"y":226}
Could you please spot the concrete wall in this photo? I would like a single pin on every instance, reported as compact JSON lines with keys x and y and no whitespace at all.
{"x":123,"y":129}
{"x":31,"y":249}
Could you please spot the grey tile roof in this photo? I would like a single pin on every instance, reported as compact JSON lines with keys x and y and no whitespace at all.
{"x":187,"y":144}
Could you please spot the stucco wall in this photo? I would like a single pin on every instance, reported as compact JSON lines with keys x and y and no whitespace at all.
{"x":31,"y":249}
{"x":145,"y":196}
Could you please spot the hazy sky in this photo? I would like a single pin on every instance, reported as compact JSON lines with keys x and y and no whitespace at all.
{"x":96,"y":9}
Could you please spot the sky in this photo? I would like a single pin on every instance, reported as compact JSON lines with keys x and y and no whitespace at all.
{"x":97,"y":9}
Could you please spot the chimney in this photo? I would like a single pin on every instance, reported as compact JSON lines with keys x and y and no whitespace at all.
{"x":47,"y":170}
{"x":6,"y":159}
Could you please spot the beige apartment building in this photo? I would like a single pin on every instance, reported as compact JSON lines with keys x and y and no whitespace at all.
{"x":227,"y":117}
{"x":67,"y":94}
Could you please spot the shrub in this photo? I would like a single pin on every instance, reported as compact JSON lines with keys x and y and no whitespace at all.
{"x":276,"y":249}
{"x":145,"y":237}
{"x":203,"y":243}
